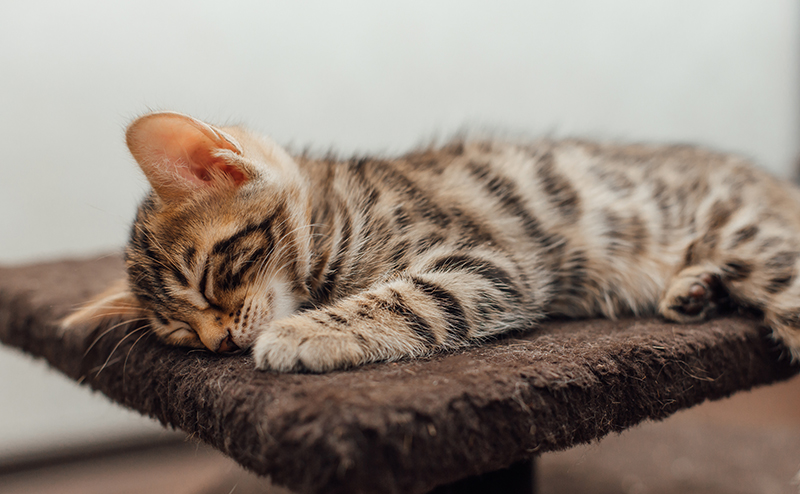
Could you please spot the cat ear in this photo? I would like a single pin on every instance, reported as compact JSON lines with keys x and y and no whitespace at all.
{"x":180,"y":155}
{"x":116,"y":304}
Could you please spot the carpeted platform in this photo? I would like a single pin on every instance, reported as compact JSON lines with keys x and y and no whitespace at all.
{"x":403,"y":427}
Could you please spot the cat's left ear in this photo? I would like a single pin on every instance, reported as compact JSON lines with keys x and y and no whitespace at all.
{"x":181,"y":155}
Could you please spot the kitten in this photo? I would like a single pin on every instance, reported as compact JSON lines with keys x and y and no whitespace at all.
{"x":319,"y":264}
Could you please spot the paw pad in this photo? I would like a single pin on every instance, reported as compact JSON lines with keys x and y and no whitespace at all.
{"x":700,"y":297}
{"x":693,"y":297}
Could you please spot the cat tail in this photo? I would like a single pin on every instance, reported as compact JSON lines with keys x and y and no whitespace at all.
{"x":115,"y":305}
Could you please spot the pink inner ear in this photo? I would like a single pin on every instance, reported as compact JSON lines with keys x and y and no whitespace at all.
{"x":179,"y":154}
{"x":205,"y":167}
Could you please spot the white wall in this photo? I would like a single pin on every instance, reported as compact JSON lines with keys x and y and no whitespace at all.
{"x":369,"y":76}
{"x":365,"y":75}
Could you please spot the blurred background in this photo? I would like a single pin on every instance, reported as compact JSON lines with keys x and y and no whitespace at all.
{"x":354,"y":76}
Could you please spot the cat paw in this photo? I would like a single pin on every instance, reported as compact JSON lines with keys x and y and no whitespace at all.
{"x":694,"y":295}
{"x":302,"y":345}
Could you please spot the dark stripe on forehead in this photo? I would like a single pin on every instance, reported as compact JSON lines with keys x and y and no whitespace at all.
{"x":228,"y":279}
{"x":246,"y":260}
{"x":264,"y":228}
{"x":226,"y":252}
{"x":257,"y":259}
{"x":202,"y":286}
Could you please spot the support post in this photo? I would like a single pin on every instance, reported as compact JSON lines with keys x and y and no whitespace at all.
{"x":519,"y":478}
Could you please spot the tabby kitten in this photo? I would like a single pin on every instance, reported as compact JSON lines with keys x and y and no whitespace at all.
{"x":320,"y":264}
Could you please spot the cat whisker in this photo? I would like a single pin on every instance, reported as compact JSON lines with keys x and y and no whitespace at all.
{"x":121,"y":313}
{"x":113,"y":350}
{"x":108,"y":330}
{"x":265,"y":283}
{"x":90,"y":303}
{"x":174,"y":331}
{"x":125,"y":364}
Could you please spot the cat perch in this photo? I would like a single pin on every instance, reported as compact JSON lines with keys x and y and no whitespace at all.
{"x":402,"y":427}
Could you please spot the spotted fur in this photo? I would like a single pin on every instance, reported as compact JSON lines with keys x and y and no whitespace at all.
{"x":319,"y":263}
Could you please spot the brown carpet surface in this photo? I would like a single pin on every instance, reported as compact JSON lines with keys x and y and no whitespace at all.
{"x":401,"y":427}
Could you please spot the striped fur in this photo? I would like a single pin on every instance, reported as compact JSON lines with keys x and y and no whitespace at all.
{"x":319,"y":264}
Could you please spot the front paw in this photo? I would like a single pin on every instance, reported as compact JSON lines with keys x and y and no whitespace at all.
{"x":298,"y":344}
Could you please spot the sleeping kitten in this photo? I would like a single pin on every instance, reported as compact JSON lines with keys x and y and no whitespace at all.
{"x":319,"y":264}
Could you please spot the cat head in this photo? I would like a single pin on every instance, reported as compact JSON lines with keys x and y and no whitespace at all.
{"x":221,"y":246}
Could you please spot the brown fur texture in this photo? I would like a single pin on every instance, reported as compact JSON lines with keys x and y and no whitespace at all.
{"x":319,"y":264}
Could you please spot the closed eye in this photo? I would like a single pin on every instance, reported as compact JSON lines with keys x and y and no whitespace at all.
{"x":196,"y":299}
{"x":183,"y":327}
{"x":182,"y":335}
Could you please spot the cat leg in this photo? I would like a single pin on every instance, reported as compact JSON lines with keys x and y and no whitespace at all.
{"x":762,"y":273}
{"x":768,"y":280}
{"x":780,"y":299}
{"x":384,"y":323}
{"x":414,"y":315}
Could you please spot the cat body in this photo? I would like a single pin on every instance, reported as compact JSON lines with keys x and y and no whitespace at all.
{"x":319,"y":263}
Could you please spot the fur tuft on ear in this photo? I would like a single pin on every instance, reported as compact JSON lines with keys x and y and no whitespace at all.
{"x":180,"y":154}
{"x":116,"y":303}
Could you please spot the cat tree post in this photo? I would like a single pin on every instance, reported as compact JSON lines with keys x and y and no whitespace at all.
{"x":519,"y":478}
{"x":403,"y":427}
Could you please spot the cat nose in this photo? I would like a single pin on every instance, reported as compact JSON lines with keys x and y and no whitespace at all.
{"x":227,"y":345}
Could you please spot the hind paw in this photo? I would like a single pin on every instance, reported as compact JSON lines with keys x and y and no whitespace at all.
{"x":694,"y":295}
